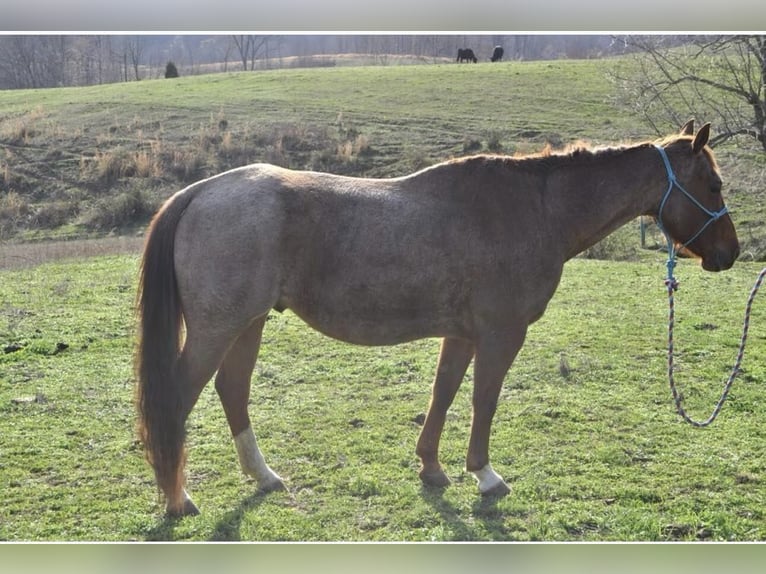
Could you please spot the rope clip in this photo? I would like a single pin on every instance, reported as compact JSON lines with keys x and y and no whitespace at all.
{"x":671,"y":284}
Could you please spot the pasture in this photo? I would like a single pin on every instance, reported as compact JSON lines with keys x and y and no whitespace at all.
{"x":593,"y":451}
{"x":586,"y":434}
{"x":88,"y":161}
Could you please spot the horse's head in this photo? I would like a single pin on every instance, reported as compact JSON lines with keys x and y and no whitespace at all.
{"x":692,"y":211}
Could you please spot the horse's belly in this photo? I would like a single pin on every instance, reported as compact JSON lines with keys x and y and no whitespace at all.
{"x":380,"y":324}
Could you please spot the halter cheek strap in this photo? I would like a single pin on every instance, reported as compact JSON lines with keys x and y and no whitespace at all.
{"x":712,"y":216}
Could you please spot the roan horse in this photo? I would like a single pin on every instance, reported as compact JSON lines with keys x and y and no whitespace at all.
{"x":470,"y":250}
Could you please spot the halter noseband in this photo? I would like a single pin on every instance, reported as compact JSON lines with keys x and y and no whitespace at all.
{"x":712,"y":215}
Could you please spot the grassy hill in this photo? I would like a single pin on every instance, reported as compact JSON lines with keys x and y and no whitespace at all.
{"x":83,"y":161}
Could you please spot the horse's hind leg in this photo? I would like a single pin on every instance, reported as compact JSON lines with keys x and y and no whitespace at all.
{"x":197,"y":364}
{"x":493,"y":359}
{"x":233,"y":386}
{"x":454,"y":359}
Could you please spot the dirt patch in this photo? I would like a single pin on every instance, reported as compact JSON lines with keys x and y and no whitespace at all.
{"x":19,"y":255}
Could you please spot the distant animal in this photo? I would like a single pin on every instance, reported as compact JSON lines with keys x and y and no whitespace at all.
{"x":470,"y":250}
{"x":497,"y":54}
{"x":466,"y":55}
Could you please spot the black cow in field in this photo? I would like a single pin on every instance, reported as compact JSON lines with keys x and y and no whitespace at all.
{"x":497,"y":54}
{"x":466,"y":55}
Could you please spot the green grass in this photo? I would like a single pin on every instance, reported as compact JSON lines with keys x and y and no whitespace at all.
{"x":444,"y":101}
{"x":598,"y":454}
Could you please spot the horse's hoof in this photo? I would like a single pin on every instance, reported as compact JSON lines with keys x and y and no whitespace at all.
{"x":271,"y":486}
{"x":435,"y":479}
{"x":498,"y":491}
{"x":491,"y":484}
{"x":188,"y":508}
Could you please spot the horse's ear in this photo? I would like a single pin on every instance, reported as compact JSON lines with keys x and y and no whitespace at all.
{"x":688,"y":128}
{"x":703,"y":135}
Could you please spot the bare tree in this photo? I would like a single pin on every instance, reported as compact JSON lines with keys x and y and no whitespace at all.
{"x":134,"y":51}
{"x":249,"y":48}
{"x":217,"y":49}
{"x":109,"y":62}
{"x":17,"y":68}
{"x":718,"y":78}
{"x":34,"y":61}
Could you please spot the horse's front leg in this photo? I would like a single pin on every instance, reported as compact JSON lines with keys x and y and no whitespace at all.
{"x":233,"y":386}
{"x":494,"y":357}
{"x":454,"y":358}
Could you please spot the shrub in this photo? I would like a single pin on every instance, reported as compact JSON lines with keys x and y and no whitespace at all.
{"x":295,"y":137}
{"x":494,"y":141}
{"x":146,"y":164}
{"x":187,"y":166}
{"x":170,"y":70}
{"x":14,"y":210}
{"x":471,"y":145}
{"x":54,"y":214}
{"x":349,"y":149}
{"x":121,"y":210}
{"x":18,"y":133}
{"x":20,"y":130}
{"x":235,"y":151}
{"x":111,"y":166}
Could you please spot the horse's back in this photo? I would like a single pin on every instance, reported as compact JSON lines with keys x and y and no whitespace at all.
{"x":371,"y":261}
{"x":327,"y":247}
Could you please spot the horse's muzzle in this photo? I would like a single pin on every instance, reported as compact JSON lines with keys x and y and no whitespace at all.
{"x":721,"y":260}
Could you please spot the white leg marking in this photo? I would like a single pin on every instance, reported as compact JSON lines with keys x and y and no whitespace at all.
{"x":488,"y":478}
{"x":251,"y":459}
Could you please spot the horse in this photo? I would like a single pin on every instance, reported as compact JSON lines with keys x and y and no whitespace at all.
{"x":469,"y":250}
{"x":466,"y":55}
{"x":497,"y":54}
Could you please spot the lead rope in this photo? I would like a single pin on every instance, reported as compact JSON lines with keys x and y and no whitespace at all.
{"x":672,"y":286}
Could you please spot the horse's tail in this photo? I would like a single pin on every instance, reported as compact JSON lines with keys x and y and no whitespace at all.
{"x":161,"y":413}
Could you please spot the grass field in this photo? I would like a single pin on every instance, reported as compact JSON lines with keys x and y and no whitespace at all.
{"x":597,"y":453}
{"x":593,"y":451}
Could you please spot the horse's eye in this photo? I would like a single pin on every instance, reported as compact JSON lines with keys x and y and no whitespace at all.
{"x":716,"y":186}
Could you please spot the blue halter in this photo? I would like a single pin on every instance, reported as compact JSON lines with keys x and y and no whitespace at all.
{"x":712,"y":216}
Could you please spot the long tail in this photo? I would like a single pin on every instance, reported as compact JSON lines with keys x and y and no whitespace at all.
{"x":161,"y":415}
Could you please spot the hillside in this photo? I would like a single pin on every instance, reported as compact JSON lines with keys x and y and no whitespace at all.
{"x":86,"y":161}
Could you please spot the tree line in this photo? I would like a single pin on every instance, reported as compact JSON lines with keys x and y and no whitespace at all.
{"x":41,"y":61}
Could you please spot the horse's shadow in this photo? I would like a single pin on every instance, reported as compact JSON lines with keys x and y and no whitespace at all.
{"x":484,"y":510}
{"x":226,"y":529}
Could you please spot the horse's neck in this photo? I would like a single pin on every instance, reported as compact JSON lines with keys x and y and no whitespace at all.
{"x":596,"y":198}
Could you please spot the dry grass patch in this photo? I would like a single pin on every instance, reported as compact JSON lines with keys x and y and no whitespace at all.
{"x":20,"y":255}
{"x":20,"y":130}
{"x":14,"y":209}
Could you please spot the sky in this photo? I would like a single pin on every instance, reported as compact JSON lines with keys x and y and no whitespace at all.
{"x":366,"y":15}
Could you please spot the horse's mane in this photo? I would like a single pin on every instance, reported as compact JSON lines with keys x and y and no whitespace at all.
{"x":580,"y":152}
{"x":547,"y":158}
